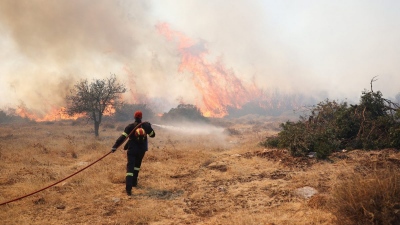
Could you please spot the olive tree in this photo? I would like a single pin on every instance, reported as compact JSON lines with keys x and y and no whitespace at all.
{"x":94,"y":99}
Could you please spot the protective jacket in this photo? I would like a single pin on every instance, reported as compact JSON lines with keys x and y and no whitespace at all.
{"x":132,"y":145}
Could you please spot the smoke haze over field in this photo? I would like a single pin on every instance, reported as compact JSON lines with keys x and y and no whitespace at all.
{"x":324,"y":49}
{"x":194,"y":129}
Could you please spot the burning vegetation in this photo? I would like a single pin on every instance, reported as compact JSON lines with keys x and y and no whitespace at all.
{"x":222,"y":91}
{"x":218,"y":91}
{"x":209,"y":175}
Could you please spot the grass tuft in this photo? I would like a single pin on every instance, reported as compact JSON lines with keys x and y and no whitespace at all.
{"x":372,"y":198}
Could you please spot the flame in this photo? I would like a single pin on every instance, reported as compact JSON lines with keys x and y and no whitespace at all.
{"x":109,"y":111}
{"x":56,"y":114}
{"x":218,"y":85}
{"x":53,"y":115}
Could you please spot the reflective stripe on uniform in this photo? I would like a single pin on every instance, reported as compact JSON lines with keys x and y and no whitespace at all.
{"x":136,"y":168}
{"x":125,"y":134}
{"x":129,"y":174}
{"x":151,"y":133}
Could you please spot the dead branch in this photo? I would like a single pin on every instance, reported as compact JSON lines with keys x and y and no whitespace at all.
{"x":372,"y":80}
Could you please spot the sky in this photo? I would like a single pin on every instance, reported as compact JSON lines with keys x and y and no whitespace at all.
{"x":323,"y":49}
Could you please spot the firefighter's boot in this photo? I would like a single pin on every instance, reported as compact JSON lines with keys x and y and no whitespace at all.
{"x":135,"y":177}
{"x":128,"y":182}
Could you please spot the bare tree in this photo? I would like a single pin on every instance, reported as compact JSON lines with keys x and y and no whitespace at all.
{"x":94,"y":99}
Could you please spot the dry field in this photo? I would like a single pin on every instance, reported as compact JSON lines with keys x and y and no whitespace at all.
{"x":195,"y":178}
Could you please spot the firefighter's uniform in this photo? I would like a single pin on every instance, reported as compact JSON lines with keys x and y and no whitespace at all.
{"x":136,"y":149}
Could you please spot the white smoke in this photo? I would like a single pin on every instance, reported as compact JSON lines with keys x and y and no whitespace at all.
{"x":320,"y":48}
{"x":48,"y":46}
{"x":194,"y":129}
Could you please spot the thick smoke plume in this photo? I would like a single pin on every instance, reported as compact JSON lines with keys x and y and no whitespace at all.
{"x":279,"y":48}
{"x":50,"y":45}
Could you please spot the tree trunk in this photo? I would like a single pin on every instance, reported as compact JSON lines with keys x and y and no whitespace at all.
{"x":96,"y":128}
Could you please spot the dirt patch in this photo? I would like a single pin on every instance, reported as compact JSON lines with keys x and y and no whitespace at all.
{"x":218,"y":167}
{"x":283,"y":157}
{"x":162,"y":194}
{"x":280,"y":174}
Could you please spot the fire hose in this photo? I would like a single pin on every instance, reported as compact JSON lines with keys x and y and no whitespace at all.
{"x":27,"y":195}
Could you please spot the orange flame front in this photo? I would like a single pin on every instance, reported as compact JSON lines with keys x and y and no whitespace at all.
{"x":219,"y":86}
{"x":56,"y":114}
{"x":53,"y":115}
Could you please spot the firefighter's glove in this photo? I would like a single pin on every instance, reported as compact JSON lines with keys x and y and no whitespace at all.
{"x":113,"y":150}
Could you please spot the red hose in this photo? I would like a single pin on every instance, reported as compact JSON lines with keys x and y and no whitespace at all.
{"x":56,"y":182}
{"x":19,"y":198}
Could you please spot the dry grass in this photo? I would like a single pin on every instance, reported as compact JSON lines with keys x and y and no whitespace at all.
{"x":185,"y":179}
{"x":369,"y":197}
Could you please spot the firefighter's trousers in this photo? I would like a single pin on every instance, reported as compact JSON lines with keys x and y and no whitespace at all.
{"x":133,"y":168}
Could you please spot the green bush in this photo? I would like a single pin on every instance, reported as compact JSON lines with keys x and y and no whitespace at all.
{"x":184,"y":112}
{"x":271,"y":142}
{"x":331,"y":126}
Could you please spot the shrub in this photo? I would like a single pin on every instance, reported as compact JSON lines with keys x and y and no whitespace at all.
{"x":332,"y":126}
{"x":184,"y":112}
{"x":10,"y":117}
{"x":295,"y":137}
{"x":271,"y":142}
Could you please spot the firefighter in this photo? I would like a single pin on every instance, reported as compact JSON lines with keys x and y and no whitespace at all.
{"x":137,"y":146}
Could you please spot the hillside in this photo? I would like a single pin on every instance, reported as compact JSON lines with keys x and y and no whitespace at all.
{"x":193,"y":178}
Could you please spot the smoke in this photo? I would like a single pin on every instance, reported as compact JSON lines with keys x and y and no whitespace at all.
{"x":317,"y":48}
{"x":322,"y":48}
{"x":207,"y":134}
{"x":194,"y":129}
{"x":50,"y":45}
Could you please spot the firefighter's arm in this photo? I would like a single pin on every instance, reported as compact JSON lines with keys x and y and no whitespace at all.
{"x":149,"y":130}
{"x":119,"y":141}
{"x":152,"y":133}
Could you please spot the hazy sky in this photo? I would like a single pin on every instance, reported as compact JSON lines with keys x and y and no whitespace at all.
{"x":319,"y":48}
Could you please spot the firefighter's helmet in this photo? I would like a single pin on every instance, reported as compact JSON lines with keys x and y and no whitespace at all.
{"x":138,"y":114}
